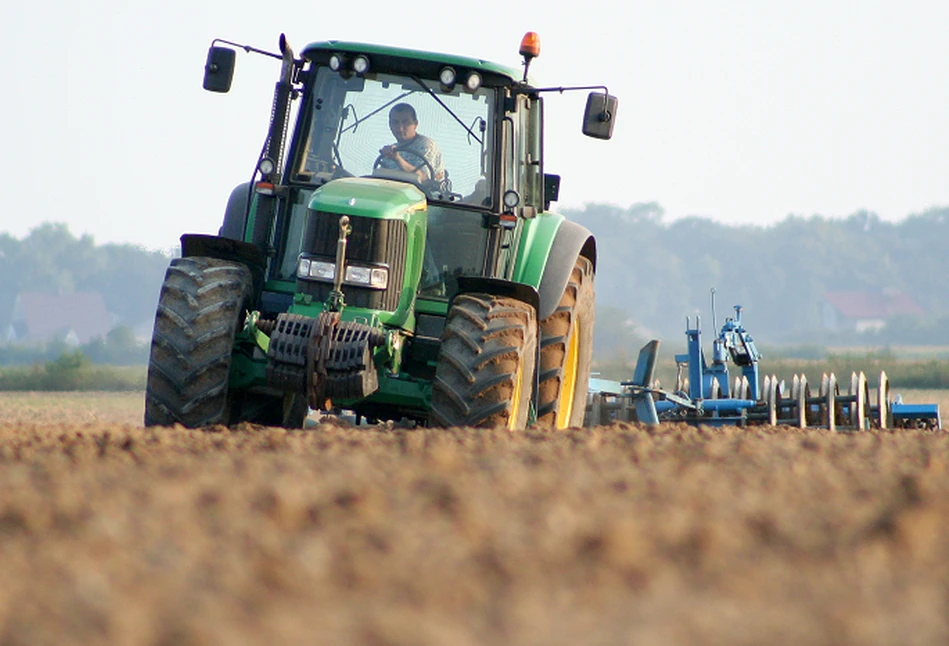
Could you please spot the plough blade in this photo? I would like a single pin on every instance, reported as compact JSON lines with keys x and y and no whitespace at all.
{"x":643,"y":377}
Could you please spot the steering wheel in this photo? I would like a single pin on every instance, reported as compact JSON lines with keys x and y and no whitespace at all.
{"x":428,"y":166}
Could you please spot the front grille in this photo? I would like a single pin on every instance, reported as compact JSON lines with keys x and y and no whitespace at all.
{"x":372,"y":241}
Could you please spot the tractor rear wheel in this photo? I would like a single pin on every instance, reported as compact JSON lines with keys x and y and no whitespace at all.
{"x":200,"y":309}
{"x":485,"y":370}
{"x":566,"y":351}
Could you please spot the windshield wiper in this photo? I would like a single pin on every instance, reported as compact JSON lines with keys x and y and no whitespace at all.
{"x":449,"y":110}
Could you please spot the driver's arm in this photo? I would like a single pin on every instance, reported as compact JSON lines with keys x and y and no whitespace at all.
{"x":427,"y":156}
{"x":391,"y":152}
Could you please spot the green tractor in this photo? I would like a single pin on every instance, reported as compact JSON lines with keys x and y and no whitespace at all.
{"x":423,"y":279}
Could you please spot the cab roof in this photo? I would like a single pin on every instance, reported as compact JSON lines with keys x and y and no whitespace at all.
{"x":321,"y":50}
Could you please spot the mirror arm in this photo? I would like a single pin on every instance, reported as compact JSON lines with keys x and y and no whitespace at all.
{"x":247,"y":48}
{"x":561,"y":90}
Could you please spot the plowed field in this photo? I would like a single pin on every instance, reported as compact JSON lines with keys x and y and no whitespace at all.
{"x":111,"y":533}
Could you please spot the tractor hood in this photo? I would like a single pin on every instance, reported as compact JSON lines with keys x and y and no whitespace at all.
{"x":369,"y":197}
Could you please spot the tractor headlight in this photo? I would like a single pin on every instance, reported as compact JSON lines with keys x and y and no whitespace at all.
{"x":266,"y":166}
{"x":316,"y":269}
{"x":322,"y":270}
{"x":325,"y":271}
{"x":358,"y":275}
{"x":336,"y":62}
{"x":511,"y":199}
{"x":374,"y":277}
{"x":379,"y":278}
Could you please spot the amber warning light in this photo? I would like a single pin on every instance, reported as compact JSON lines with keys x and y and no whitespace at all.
{"x":530,"y":49}
{"x":530,"y":45}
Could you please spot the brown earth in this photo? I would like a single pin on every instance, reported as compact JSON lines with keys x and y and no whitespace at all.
{"x":111,"y":533}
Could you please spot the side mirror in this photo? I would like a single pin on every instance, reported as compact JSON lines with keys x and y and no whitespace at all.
{"x":551,"y":189}
{"x":219,"y":70}
{"x":600,"y":115}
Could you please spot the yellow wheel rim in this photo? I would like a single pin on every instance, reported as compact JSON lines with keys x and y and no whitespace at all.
{"x":516,"y":396}
{"x":568,"y":388}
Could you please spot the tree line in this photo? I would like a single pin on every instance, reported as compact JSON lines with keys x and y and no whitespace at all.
{"x":651,"y":274}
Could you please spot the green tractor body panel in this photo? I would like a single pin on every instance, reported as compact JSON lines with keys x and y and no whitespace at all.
{"x":533,"y":250}
{"x":369,"y":197}
{"x":436,"y":308}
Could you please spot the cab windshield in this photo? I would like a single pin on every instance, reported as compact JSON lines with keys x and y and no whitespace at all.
{"x":443,"y":141}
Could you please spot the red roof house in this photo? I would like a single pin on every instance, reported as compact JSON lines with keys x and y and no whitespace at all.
{"x":75,"y":318}
{"x":862,"y":311}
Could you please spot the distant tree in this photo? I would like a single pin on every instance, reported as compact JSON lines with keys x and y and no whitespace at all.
{"x":118,"y":348}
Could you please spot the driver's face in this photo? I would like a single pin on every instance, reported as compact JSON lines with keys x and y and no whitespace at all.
{"x":402,"y":126}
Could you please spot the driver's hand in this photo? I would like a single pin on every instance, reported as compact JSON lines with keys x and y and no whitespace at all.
{"x":389,"y":152}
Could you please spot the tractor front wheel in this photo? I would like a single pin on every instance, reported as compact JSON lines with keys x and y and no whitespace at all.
{"x":485,"y":370}
{"x":566,"y":351}
{"x":200,"y":309}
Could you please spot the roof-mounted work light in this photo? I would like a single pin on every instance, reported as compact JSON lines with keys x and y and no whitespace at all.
{"x":473,"y":82}
{"x":447,"y":78}
{"x":360,"y":65}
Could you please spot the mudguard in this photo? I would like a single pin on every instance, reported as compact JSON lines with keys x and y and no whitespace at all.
{"x":235,"y":214}
{"x":572,"y":240}
{"x":499,"y":287}
{"x":196,"y":244}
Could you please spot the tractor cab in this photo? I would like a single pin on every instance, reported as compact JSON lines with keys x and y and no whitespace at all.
{"x":446,"y":132}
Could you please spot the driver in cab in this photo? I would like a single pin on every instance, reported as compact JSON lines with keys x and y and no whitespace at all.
{"x":412,"y":152}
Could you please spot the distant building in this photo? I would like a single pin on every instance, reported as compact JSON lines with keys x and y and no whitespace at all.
{"x":865,"y":311}
{"x":73,"y":318}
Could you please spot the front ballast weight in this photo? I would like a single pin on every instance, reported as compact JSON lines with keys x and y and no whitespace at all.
{"x":703,"y":394}
{"x":324,"y":357}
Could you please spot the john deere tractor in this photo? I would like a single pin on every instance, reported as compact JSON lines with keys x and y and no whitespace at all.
{"x":450,"y":296}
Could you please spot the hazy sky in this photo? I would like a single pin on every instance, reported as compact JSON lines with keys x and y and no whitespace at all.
{"x":742,"y":111}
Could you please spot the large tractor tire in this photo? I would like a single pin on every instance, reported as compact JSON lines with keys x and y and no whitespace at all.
{"x":485,"y":370}
{"x":200,"y":309}
{"x":566,"y":351}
